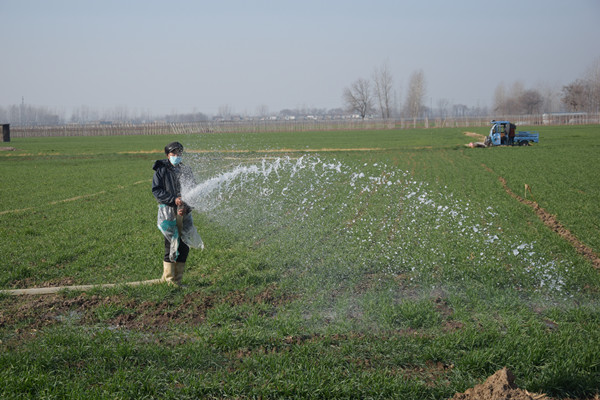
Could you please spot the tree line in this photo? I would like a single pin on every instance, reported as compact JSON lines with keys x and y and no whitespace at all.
{"x":29,"y":115}
{"x":378,"y":97}
{"x":583,"y":94}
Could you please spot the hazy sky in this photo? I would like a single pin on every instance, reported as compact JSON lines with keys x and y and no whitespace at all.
{"x":165,"y":56}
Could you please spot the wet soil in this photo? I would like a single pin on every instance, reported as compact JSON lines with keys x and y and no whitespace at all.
{"x":36,"y":312}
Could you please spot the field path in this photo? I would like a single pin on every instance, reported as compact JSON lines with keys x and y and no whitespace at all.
{"x":552,"y":222}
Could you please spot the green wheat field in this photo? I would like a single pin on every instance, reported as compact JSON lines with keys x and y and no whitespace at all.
{"x":365,"y":264}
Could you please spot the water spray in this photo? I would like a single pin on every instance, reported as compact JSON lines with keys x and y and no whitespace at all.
{"x":343,"y":220}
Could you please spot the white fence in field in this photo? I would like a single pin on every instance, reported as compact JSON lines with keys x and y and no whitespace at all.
{"x":163,"y":128}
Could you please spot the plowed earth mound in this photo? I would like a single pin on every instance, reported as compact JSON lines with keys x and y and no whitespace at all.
{"x":499,"y":386}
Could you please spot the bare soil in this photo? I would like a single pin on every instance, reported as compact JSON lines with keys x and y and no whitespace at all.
{"x":499,"y":386}
{"x":31,"y":313}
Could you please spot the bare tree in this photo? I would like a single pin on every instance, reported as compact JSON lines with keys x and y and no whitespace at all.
{"x":500,"y":98}
{"x":531,"y":101}
{"x":397,"y":107}
{"x":358,"y":98}
{"x":460,"y":110}
{"x":443,"y":109}
{"x":415,"y":96}
{"x":584,"y":94}
{"x":262,"y":110}
{"x":382,"y":77}
{"x":120,"y":113}
{"x":508,"y":101}
{"x":83,"y":114}
{"x":512,"y":105}
{"x":28,"y":115}
{"x":550,"y":97}
{"x":225,"y":111}
{"x":574,"y":95}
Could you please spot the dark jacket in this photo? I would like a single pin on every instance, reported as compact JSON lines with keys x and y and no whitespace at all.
{"x":166,"y":184}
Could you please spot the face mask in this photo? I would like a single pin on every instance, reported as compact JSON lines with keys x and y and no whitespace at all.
{"x":175,"y":159}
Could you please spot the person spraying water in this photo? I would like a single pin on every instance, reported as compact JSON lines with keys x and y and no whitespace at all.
{"x":174,"y":215}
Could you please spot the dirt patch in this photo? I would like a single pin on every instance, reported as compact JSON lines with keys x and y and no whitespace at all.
{"x":449,"y":324}
{"x":192,"y":310}
{"x":36,"y":312}
{"x":552,"y":222}
{"x":7,"y":149}
{"x":499,"y":386}
{"x":158,"y":315}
